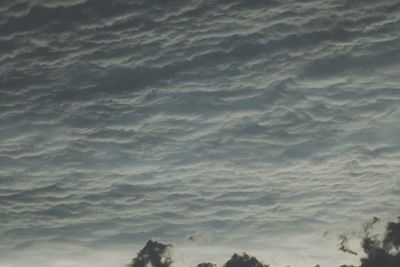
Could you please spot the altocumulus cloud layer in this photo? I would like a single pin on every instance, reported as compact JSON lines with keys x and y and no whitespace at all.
{"x":220,"y":125}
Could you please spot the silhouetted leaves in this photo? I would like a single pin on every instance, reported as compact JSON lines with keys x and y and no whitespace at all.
{"x":383,"y":253}
{"x":243,"y":261}
{"x":380,"y":253}
{"x":153,"y":254}
{"x":206,"y":264}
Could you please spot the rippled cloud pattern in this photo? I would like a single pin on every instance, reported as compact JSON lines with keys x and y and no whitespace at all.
{"x":234,"y":125}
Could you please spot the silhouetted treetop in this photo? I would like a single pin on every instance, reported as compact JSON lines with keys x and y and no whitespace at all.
{"x":243,"y":260}
{"x":153,"y":254}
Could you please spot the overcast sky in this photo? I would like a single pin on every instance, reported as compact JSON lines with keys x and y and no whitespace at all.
{"x":269,"y":127}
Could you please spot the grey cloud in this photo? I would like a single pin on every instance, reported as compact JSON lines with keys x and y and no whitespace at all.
{"x":126,"y":120}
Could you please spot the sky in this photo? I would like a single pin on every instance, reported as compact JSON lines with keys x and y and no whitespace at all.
{"x":271,"y":127}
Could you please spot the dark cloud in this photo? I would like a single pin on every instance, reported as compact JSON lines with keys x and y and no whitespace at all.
{"x":124,"y":120}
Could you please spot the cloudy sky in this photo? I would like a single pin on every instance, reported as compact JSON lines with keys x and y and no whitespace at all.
{"x":269,"y":127}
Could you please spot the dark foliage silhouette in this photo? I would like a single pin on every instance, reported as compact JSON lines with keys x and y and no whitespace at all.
{"x":153,"y":254}
{"x":243,"y":261}
{"x":383,"y":252}
{"x":206,"y":264}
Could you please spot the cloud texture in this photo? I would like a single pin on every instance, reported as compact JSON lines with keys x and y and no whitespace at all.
{"x":245,"y":125}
